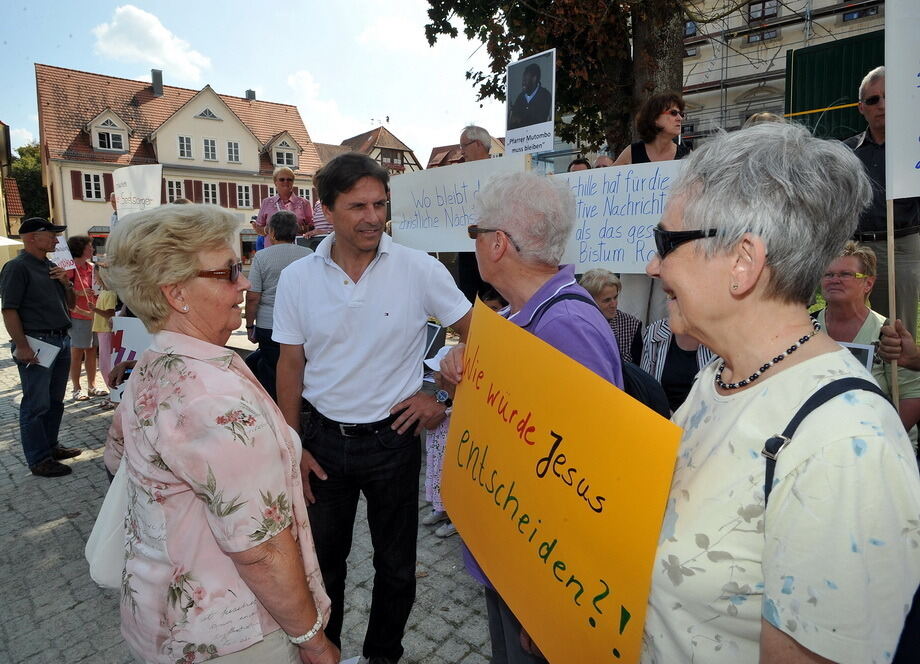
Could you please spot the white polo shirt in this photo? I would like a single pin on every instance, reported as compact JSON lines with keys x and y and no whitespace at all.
{"x":364,"y":342}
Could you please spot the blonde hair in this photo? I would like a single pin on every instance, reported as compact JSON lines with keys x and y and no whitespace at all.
{"x":594,"y":281}
{"x":866,"y":256}
{"x":281,"y":170}
{"x":158,"y":247}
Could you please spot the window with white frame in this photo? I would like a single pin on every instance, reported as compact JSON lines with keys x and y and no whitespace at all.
{"x":284,"y":158}
{"x":691,"y":51}
{"x":209,"y":193}
{"x":303,"y":192}
{"x":92,"y":187}
{"x":271,"y":190}
{"x":860,"y":13}
{"x":207,"y":114}
{"x":233,"y":152}
{"x":760,"y":10}
{"x":210,"y":149}
{"x":185,"y":147}
{"x":690,"y":29}
{"x":243,"y":196}
{"x":762,"y":36}
{"x":110,"y":140}
{"x":173,"y":190}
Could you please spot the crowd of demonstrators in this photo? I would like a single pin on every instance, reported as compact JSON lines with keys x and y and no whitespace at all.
{"x":36,"y":297}
{"x":264,"y":274}
{"x":604,"y":286}
{"x":285,"y":199}
{"x":869,"y":147}
{"x":103,"y":312}
{"x":349,"y":380}
{"x":847,"y":286}
{"x":825,"y":565}
{"x":219,"y":553}
{"x":524,"y":223}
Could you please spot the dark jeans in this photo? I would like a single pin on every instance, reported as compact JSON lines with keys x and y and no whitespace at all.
{"x":505,"y":632}
{"x":264,"y":361}
{"x":42,"y":404}
{"x":385,"y":467}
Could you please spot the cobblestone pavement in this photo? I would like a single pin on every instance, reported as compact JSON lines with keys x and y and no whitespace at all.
{"x":51,"y":611}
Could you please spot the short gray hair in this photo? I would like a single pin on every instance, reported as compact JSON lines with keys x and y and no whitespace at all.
{"x":800,"y":194}
{"x":159,"y":247}
{"x":596,"y":280}
{"x":870,"y":78}
{"x":283,"y":225}
{"x":475,"y":133}
{"x":538,"y":212}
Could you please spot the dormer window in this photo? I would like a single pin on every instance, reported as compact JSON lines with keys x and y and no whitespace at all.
{"x":207,"y":114}
{"x":111,"y":140}
{"x":284,"y":158}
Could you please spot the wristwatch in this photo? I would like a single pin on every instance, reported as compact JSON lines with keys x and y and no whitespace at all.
{"x":441,"y":396}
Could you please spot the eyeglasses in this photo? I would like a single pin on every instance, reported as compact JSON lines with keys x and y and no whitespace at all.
{"x":285,"y":179}
{"x":873,"y":100}
{"x":475,"y":229}
{"x":674,"y":112}
{"x":844,"y":276}
{"x":668,"y":241}
{"x":232,"y":273}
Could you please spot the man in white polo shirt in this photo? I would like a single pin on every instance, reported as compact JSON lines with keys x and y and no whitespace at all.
{"x":351,"y":321}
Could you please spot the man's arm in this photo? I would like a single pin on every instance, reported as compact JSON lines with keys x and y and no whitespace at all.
{"x":289,"y":383}
{"x":462,"y":326}
{"x":252,"y":308}
{"x":69,"y":294}
{"x":13,"y":323}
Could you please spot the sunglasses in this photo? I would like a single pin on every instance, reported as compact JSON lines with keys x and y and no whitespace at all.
{"x":285,"y":179}
{"x":668,"y":241}
{"x":232,"y":273}
{"x":844,"y":276}
{"x":873,"y":100}
{"x":475,"y":229}
{"x":674,"y":112}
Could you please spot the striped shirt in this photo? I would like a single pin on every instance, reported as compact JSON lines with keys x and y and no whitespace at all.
{"x":265,"y":272}
{"x":320,"y":224}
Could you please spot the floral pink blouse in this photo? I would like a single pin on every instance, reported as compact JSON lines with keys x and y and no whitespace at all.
{"x":212,"y":469}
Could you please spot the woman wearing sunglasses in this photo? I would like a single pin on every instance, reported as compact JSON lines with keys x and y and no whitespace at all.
{"x":285,"y":199}
{"x":658,"y":124}
{"x":846,"y":285}
{"x":825,"y":568}
{"x":219,"y":559}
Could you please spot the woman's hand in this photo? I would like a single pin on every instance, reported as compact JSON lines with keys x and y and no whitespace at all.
{"x":319,"y":650}
{"x":452,"y":364}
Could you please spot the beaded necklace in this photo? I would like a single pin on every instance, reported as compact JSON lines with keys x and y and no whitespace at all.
{"x":757,"y":374}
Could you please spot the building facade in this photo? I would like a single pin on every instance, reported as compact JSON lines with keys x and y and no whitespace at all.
{"x":735,"y":56}
{"x":214,"y":148}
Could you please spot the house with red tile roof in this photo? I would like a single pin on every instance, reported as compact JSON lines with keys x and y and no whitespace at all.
{"x":381,"y":145}
{"x":11,"y":211}
{"x":214,"y":148}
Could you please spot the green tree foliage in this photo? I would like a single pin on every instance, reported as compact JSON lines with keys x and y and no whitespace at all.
{"x":598,"y":80}
{"x":27,"y":171}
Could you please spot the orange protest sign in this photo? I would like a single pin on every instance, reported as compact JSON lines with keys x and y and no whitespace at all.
{"x":557,"y":482}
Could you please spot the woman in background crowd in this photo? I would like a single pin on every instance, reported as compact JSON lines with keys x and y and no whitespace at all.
{"x":220,"y":564}
{"x":604,"y":286}
{"x":285,"y":199}
{"x":846,"y":285}
{"x":673,"y":360}
{"x":825,"y":569}
{"x":82,"y":339}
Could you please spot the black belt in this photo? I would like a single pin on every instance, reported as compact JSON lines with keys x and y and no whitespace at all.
{"x":60,"y":332}
{"x":875,"y":236}
{"x":350,"y":430}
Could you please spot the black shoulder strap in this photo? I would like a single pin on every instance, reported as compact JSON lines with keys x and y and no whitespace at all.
{"x":538,"y":314}
{"x":775,"y":445}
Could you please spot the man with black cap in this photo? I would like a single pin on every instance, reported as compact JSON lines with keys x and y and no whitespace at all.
{"x":36,"y":298}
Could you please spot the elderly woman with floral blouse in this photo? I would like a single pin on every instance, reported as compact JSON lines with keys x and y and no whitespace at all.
{"x":220,"y":562}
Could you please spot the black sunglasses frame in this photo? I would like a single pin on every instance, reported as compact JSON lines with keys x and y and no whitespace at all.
{"x":475,"y":229}
{"x":668,"y":241}
{"x":873,"y":100}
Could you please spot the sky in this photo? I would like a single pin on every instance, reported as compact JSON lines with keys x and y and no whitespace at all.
{"x":347,"y":65}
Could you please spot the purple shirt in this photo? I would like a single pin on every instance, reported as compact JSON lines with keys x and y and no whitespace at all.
{"x":575,"y":328}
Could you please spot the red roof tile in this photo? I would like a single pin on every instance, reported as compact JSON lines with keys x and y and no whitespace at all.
{"x":328,"y":152}
{"x":381,"y":137}
{"x":13,"y":200}
{"x":68,"y":99}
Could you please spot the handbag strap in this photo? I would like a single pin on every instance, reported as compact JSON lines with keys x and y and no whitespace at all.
{"x":777,"y":443}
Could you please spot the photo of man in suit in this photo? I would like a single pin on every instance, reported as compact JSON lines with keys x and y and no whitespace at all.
{"x":534,"y":104}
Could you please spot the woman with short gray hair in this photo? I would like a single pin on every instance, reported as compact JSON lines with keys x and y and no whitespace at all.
{"x":812,"y":556}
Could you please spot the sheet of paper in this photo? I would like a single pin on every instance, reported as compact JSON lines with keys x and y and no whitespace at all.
{"x":44,"y":352}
